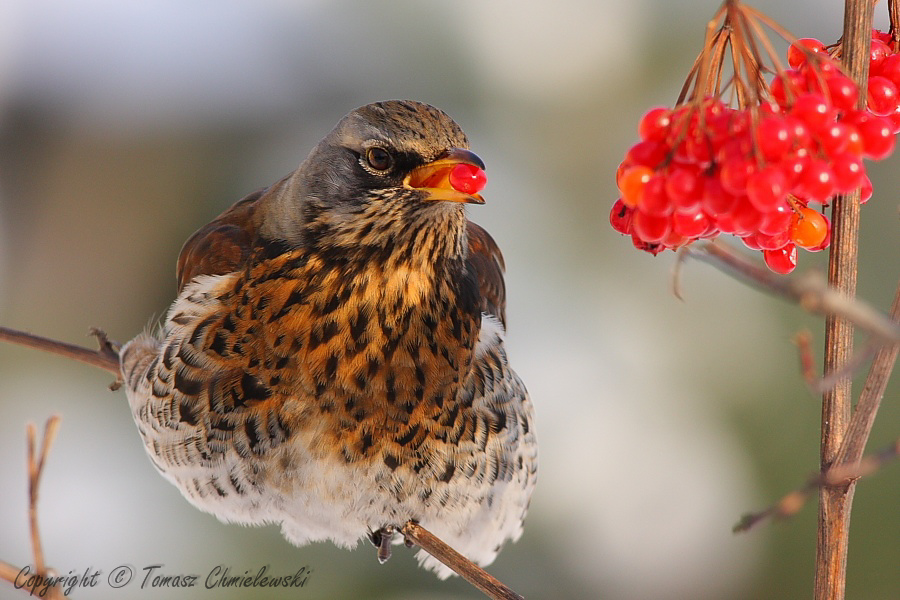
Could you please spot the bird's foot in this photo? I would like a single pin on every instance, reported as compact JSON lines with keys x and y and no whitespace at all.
{"x":110,"y":349}
{"x":381,"y":539}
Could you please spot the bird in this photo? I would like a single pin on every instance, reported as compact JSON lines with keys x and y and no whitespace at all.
{"x":334,"y":362}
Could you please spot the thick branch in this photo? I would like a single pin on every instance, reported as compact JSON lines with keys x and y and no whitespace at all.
{"x":835,"y":501}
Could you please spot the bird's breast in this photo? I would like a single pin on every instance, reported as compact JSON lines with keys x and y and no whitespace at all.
{"x":372,"y":352}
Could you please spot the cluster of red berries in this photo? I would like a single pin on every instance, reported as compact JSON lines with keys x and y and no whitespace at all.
{"x":705,"y":168}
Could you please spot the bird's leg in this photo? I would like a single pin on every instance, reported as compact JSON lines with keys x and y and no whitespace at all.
{"x":381,"y":539}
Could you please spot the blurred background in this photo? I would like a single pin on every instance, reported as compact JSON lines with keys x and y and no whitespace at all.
{"x":125,"y":126}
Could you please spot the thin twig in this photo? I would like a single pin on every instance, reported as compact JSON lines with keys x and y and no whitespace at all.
{"x":791,"y":503}
{"x":8,"y":572}
{"x":35,"y":469}
{"x":106,"y":357}
{"x":803,"y":341}
{"x":863,"y":418}
{"x":868,"y":465}
{"x":35,"y":466}
{"x":481,"y":579}
{"x":809,"y":289}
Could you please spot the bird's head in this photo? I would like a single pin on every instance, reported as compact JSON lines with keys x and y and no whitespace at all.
{"x":386,"y":171}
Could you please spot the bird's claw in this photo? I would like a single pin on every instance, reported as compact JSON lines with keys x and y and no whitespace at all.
{"x":110,"y":349}
{"x":382,"y":540}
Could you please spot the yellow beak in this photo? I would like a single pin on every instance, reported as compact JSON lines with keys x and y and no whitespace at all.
{"x":434,"y":177}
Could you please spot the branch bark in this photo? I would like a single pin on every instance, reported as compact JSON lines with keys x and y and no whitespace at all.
{"x":106,"y":357}
{"x":35,"y":466}
{"x":462,"y":566}
{"x":835,"y":502}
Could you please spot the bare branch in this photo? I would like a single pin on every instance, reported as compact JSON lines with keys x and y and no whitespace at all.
{"x":863,"y":418}
{"x":809,"y":289}
{"x":481,"y":579}
{"x":35,"y":466}
{"x":106,"y":357}
{"x":8,"y":572}
{"x":791,"y":503}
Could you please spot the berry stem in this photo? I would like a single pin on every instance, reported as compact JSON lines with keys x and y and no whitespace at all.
{"x":835,"y":501}
{"x":894,"y":12}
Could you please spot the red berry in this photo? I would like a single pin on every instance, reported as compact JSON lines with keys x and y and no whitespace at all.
{"x":817,"y":181}
{"x":865,"y":190}
{"x":640,"y":244}
{"x":848,"y":172}
{"x":890,"y":69}
{"x":734,"y":175}
{"x":750,"y":241}
{"x":777,"y":221}
{"x":883,"y":36}
{"x":842,"y":92}
{"x":854,"y":142}
{"x":620,"y":217}
{"x":725,"y":224}
{"x":808,"y":228}
{"x":834,"y":138}
{"x":714,"y":108}
{"x":773,"y":137}
{"x":894,"y":118}
{"x":766,"y":188}
{"x":734,"y":148}
{"x":882,"y":98}
{"x":800,"y":132}
{"x":654,"y":200}
{"x":772,"y":242}
{"x":683,"y":187}
{"x":792,"y":166}
{"x":654,"y":125}
{"x":647,"y":153}
{"x":690,"y":225}
{"x":746,"y":218}
{"x":786,"y":86}
{"x":715,"y":200}
{"x":696,"y":148}
{"x":467,"y":178}
{"x":797,"y":53}
{"x":813,"y":109}
{"x":783,"y":260}
{"x":649,"y":228}
{"x":878,"y":53}
{"x":674,"y":239}
{"x":877,"y":135}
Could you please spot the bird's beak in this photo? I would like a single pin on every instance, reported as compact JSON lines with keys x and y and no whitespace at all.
{"x":434,"y":177}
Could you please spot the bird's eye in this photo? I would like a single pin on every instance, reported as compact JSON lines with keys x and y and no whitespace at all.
{"x":379,"y":159}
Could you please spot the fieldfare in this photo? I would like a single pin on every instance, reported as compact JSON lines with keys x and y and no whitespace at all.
{"x":334,"y":361}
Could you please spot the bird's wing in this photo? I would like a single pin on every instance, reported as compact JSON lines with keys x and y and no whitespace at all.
{"x":486,"y":261}
{"x":222,"y":245}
